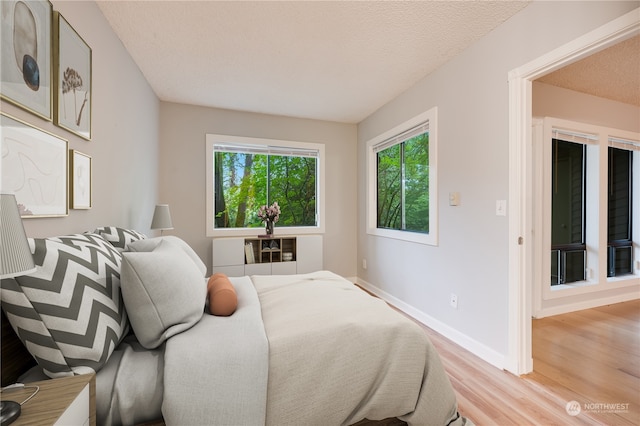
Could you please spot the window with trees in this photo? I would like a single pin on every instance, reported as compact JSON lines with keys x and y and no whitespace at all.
{"x":403,"y":184}
{"x":402,"y":187}
{"x":246,"y":173}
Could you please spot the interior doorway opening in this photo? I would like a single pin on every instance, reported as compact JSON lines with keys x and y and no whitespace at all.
{"x":521,"y":222}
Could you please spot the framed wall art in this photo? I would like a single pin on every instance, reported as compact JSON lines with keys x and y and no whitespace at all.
{"x":80,"y":167}
{"x":72,"y":71}
{"x":25,"y":52}
{"x":34,"y":168}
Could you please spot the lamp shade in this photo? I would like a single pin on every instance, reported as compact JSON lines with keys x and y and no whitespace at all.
{"x":161,"y":217}
{"x":15,"y":256}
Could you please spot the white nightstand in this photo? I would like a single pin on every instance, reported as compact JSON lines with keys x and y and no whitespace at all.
{"x":63,"y":401}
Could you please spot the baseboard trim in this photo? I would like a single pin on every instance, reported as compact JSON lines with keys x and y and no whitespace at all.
{"x":478,"y":349}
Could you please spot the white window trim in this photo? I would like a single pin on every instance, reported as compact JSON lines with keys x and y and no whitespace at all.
{"x":372,"y":194}
{"x":213,"y":139}
{"x":596,"y":242}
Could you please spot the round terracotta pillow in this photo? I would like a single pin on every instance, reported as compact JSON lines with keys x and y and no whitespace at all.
{"x":223,"y":300}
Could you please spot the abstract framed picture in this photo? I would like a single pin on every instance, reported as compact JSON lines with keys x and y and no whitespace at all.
{"x":34,"y":168}
{"x":25,"y":52}
{"x":80,"y":167}
{"x":72,"y":71}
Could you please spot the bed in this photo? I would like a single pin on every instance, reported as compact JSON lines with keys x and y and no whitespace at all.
{"x":309,"y":349}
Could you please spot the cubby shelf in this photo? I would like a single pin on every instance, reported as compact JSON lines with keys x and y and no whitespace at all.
{"x":270,"y":250}
{"x":265,"y":256}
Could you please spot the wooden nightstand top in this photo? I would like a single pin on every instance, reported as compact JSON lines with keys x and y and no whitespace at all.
{"x":54,"y":397}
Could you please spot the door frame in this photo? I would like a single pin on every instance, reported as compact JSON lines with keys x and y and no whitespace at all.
{"x":521,"y":249}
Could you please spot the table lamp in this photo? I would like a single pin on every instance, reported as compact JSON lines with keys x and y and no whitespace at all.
{"x":15,"y":260}
{"x":15,"y":254}
{"x":161,"y":218}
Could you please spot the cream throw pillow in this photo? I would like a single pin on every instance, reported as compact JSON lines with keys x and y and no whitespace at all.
{"x":163,"y":291}
{"x":151,"y":243}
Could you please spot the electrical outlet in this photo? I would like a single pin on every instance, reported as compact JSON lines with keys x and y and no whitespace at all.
{"x":453,"y":301}
{"x":364,"y":263}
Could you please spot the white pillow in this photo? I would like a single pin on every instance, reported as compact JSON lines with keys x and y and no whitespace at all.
{"x":163,"y":291}
{"x":150,"y":243}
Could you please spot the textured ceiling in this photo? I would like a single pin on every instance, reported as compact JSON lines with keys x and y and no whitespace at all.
{"x":613,"y":73}
{"x":335,"y":60}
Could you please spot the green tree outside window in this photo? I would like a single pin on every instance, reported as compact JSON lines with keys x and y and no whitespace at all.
{"x":246,"y":181}
{"x":403,"y":185}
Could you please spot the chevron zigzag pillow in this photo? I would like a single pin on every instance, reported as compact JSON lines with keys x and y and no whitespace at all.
{"x":119,"y":237}
{"x":69,"y":313}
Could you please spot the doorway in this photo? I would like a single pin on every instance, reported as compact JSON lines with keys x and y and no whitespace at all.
{"x":521,"y":252}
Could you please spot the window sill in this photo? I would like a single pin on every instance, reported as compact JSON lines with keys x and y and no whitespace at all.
{"x":252,"y":232}
{"x":411,"y":237}
{"x":629,"y":278}
{"x":583,"y":287}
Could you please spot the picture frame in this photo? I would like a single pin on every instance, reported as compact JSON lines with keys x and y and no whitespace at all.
{"x":73,"y":79}
{"x":80,"y":181}
{"x":26,"y":55}
{"x":34,"y":168}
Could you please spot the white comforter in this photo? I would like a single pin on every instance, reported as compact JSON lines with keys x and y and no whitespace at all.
{"x":332,"y":355}
{"x":338,"y":355}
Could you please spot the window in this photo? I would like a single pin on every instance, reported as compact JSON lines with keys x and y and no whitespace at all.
{"x":402,"y":187}
{"x":620,"y":208}
{"x":568,"y":249}
{"x":589,"y":207}
{"x":246,"y":173}
{"x":247,"y":178}
{"x":403,"y":184}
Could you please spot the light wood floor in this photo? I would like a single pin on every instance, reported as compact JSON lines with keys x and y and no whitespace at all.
{"x":592,"y":357}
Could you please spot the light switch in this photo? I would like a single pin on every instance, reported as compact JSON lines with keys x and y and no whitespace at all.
{"x":501,"y":207}
{"x":454,"y":198}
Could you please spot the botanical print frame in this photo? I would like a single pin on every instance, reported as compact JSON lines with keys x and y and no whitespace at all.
{"x":25,"y":54}
{"x":80,"y":180}
{"x":72,"y":70}
{"x":34,"y":168}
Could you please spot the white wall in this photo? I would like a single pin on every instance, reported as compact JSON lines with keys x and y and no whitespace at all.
{"x":182,"y":172}
{"x":124,"y":147}
{"x":551,"y":101}
{"x":471,"y":94}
